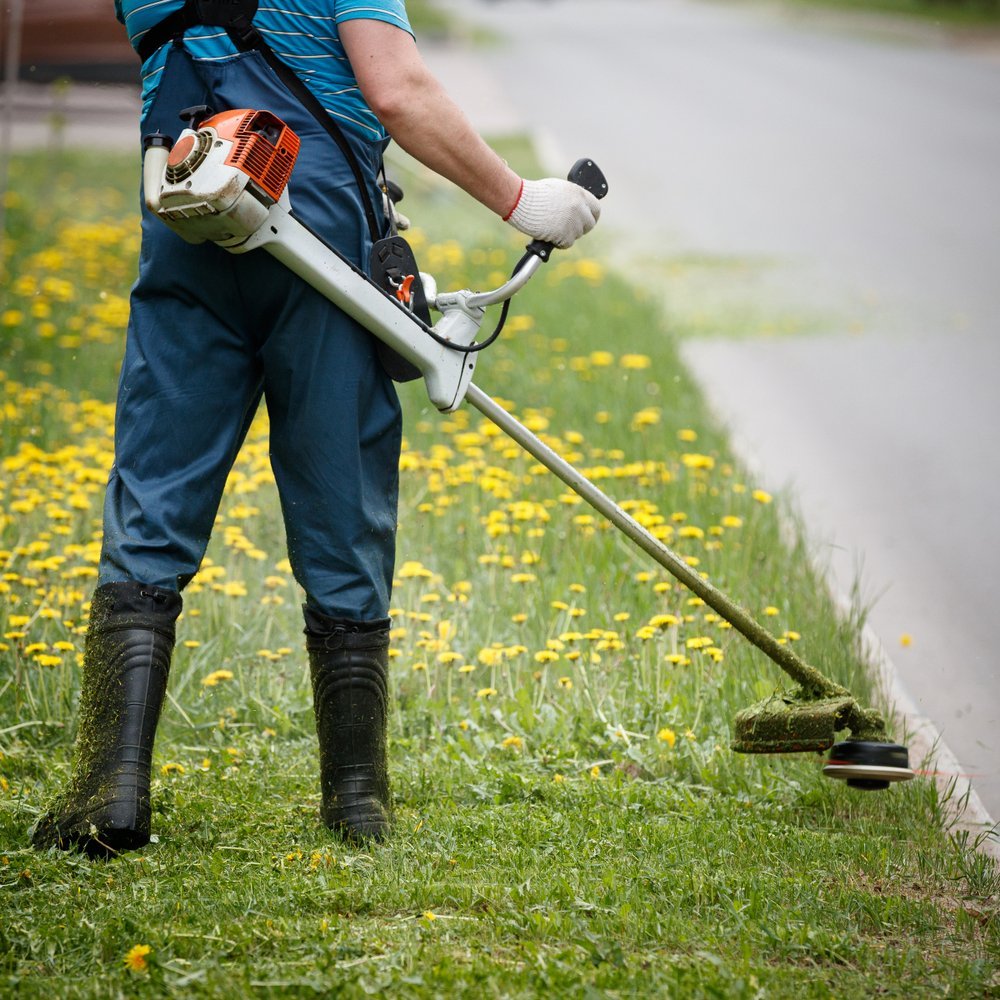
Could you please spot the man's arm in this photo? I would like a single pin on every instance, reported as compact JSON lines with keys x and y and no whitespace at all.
{"x":419,"y":115}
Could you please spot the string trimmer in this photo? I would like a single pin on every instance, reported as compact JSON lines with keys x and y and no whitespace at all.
{"x":225,"y":180}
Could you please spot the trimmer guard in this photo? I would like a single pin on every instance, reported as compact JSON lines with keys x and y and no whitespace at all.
{"x":783,"y":724}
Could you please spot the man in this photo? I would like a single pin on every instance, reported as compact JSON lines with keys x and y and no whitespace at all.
{"x":210,"y":334}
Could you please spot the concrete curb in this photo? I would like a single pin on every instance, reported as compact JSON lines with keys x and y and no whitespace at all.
{"x":929,"y":752}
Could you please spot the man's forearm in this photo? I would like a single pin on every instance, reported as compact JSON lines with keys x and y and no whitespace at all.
{"x":435,"y":131}
{"x":420,"y":116}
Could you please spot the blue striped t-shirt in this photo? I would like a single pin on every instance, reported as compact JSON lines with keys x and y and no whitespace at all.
{"x":303,"y":33}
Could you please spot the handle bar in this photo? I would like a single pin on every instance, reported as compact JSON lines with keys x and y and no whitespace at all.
{"x":589,"y":176}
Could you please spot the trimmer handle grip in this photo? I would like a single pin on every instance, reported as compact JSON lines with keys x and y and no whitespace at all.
{"x":589,"y":176}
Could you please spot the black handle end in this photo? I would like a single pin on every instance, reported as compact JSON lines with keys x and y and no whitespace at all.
{"x":589,"y":176}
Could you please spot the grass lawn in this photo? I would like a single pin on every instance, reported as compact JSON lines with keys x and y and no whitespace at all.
{"x":569,"y":819}
{"x":956,"y":13}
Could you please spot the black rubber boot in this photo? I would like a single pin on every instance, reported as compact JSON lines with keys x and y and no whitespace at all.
{"x":106,"y":807}
{"x":349,"y":662}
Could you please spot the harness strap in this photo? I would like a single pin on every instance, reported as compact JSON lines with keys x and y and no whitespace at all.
{"x":236,"y":17}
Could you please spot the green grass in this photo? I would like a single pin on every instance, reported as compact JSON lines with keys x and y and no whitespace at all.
{"x":951,"y":12}
{"x":570,"y":823}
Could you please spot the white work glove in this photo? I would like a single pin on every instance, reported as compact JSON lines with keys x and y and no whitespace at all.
{"x":554,"y":210}
{"x":391,"y":212}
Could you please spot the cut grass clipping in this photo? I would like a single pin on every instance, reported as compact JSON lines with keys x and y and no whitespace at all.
{"x":569,"y":816}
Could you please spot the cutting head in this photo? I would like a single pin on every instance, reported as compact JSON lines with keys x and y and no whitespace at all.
{"x":868,"y":765}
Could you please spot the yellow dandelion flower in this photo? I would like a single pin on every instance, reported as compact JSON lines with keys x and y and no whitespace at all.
{"x":566,"y":682}
{"x":486,"y":692}
{"x":687,"y":435}
{"x":663,"y":621}
{"x":906,"y":640}
{"x":412,"y":569}
{"x":771,"y":611}
{"x":217,"y":675}
{"x":171,"y":768}
{"x":693,"y":460}
{"x":558,"y":778}
{"x":595,"y":771}
{"x":761,"y":496}
{"x":512,"y":742}
{"x":667,"y":736}
{"x":647,"y":417}
{"x":135,"y":958}
{"x":636,"y":362}
{"x":698,"y":642}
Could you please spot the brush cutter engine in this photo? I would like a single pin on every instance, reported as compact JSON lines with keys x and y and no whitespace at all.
{"x":217,"y":182}
{"x":225,"y":180}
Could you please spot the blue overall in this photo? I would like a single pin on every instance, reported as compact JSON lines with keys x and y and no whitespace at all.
{"x":210,"y":333}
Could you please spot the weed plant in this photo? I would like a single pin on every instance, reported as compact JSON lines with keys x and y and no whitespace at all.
{"x":569,"y":819}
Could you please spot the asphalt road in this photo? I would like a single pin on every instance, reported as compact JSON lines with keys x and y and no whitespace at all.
{"x":850,"y":169}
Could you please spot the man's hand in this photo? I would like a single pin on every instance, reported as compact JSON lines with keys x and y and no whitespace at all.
{"x":554,"y":210}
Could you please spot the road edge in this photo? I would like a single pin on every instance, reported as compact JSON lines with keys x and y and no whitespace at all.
{"x":929,"y":753}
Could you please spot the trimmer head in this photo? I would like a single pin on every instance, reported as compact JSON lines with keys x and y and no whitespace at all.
{"x":796,"y":723}
{"x":867,"y":765}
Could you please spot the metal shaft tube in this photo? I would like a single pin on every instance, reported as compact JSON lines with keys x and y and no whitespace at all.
{"x":744,"y":623}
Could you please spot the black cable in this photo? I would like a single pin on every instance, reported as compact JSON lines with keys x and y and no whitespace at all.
{"x":476,"y":348}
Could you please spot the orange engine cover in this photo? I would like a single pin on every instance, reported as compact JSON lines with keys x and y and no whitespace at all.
{"x":264,"y":147}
